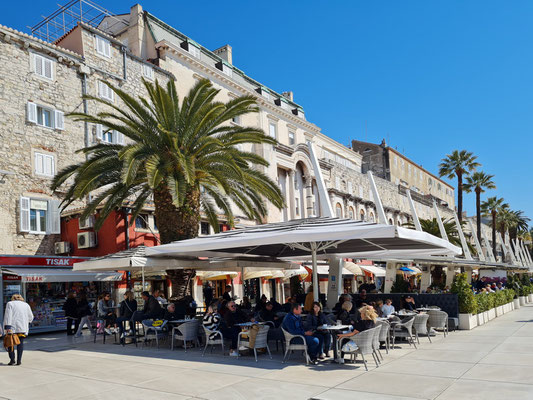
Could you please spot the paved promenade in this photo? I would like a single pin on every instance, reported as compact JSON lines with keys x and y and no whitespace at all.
{"x":494,"y":361}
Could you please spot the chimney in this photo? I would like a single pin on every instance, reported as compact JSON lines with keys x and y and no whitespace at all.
{"x":288,"y":95}
{"x":225,"y":52}
{"x":136,"y":30}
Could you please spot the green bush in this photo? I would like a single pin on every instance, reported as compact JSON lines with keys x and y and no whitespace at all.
{"x":501,"y":298}
{"x":482,"y":302}
{"x":400,"y":285}
{"x":465,"y":295}
{"x":510,"y":294}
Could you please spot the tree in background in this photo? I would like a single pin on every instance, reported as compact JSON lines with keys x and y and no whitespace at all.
{"x":491,"y":207}
{"x":478,"y":182}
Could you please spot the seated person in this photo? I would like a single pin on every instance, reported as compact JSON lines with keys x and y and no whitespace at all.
{"x":152,"y":309}
{"x":106,"y":311}
{"x":342,"y":298}
{"x":230,"y":330}
{"x":286,"y":308}
{"x":387,"y":308}
{"x":377,"y":307}
{"x":361,"y":299}
{"x":276,"y":307}
{"x":171,"y":314}
{"x":261,"y":304}
{"x":245,"y":303}
{"x":212,"y":320}
{"x":292,"y":323}
{"x":367,"y":321}
{"x":409,"y":303}
{"x":127,"y":307}
{"x":344,"y":315}
{"x":314,"y":320}
{"x":268,"y":314}
{"x":160,"y":297}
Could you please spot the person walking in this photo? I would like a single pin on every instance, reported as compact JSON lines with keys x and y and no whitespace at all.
{"x":71,"y":312}
{"x":84,"y":312}
{"x":17,"y":318}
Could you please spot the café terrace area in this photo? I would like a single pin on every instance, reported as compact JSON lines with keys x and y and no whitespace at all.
{"x":492,"y":361}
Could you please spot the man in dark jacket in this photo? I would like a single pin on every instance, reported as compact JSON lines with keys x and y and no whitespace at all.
{"x":232,"y":317}
{"x":268,"y":314}
{"x":293,"y":324}
{"x":71,"y":312}
{"x":152,"y":309}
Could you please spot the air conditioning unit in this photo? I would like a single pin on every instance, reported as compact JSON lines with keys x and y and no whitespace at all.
{"x":62,"y":247}
{"x":86,"y":240}
{"x":86,"y":223}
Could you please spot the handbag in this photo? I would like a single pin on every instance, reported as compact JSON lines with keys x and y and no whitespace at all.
{"x":10,"y":341}
{"x":349,"y":347}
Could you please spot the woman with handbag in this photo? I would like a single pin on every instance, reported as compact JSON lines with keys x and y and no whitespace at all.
{"x":17,"y":318}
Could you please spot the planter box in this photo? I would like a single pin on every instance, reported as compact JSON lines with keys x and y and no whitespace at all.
{"x":522,"y":300}
{"x":467,"y":321}
{"x":491,"y":314}
{"x":516,"y":303}
{"x":480,"y":318}
{"x":500,"y":310}
{"x":530,"y":298}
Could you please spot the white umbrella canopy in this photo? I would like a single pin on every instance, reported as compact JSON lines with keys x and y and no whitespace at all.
{"x":302,"y":272}
{"x":312,"y":237}
{"x":354,"y":268}
{"x":215,"y":275}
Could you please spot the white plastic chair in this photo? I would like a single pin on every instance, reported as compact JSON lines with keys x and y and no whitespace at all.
{"x":213,"y":338}
{"x":420,"y":325}
{"x":438,"y":320}
{"x":188,"y":331}
{"x":261,"y":341}
{"x":405,"y":330}
{"x":365,"y":345}
{"x":289,"y":346}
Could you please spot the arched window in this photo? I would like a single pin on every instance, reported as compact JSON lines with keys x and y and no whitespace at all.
{"x":372,"y":219}
{"x":351,"y":214}
{"x":338,"y":210}
{"x":390,"y":221}
{"x":362,"y":214}
{"x":399,"y":223}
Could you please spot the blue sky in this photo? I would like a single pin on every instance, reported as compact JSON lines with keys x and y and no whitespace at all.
{"x":429,"y":76}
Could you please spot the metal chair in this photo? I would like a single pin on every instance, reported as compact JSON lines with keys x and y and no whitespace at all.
{"x":405,"y":330}
{"x":156,"y":333}
{"x":213,"y":338}
{"x":261,"y":341}
{"x":420,"y":325}
{"x":384,"y":334}
{"x":102,"y":323}
{"x":289,"y":346}
{"x":187,"y":331}
{"x":365,"y":345}
{"x":438,"y":320}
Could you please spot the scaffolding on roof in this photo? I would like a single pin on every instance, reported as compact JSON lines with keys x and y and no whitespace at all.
{"x":67,"y":17}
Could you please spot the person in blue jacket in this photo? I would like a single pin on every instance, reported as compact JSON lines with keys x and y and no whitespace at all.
{"x":292,"y":323}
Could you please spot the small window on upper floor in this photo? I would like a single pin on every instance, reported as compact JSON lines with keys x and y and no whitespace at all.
{"x":273,"y":130}
{"x":105,"y":92}
{"x":43,"y":66}
{"x":45,"y":116}
{"x":292,"y":138}
{"x":103,"y":46}
{"x":141,"y":222}
{"x":227,"y":70}
{"x":195,"y":51}
{"x":102,"y":134}
{"x":148,"y":71}
{"x":44,"y":164}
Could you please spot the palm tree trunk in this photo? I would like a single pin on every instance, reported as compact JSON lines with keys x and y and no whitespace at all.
{"x":478,"y":214}
{"x":494,"y":233}
{"x":459,"y":195}
{"x":177,"y":223}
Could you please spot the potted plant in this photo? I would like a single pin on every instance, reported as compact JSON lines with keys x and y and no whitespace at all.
{"x":467,"y":302}
{"x":512,"y":283}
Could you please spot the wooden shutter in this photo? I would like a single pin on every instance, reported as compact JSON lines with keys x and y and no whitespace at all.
{"x":31,"y":113}
{"x":38,"y":64}
{"x":48,"y":165}
{"x":53,"y":223}
{"x":119,"y":137}
{"x":24,"y":205}
{"x":39,"y":163}
{"x":47,"y":68}
{"x":59,"y":120}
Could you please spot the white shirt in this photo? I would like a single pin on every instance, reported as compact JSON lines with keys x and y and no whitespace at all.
{"x":387,"y":310}
{"x":18,"y":315}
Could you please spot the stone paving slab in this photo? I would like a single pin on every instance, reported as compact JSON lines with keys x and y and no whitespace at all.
{"x":493,"y":361}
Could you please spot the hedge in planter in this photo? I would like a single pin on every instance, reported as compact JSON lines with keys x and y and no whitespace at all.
{"x":465,"y":295}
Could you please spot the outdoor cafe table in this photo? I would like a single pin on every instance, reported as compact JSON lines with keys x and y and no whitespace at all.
{"x":249,"y":324}
{"x":333,"y":329}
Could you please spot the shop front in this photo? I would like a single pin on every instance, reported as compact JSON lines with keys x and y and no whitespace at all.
{"x":44,"y":282}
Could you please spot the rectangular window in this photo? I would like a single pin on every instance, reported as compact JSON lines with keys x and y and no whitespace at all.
{"x":45,"y":117}
{"x":141,"y":222}
{"x":195,"y":51}
{"x":38,"y":210}
{"x":236,"y":120}
{"x":292,"y":139}
{"x":43,"y":66}
{"x":44,"y":164}
{"x":227,"y":70}
{"x":103,"y":46}
{"x":148,"y":71}
{"x":350,"y":187}
{"x":108,"y":136}
{"x":272,"y":130}
{"x":39,"y":216}
{"x":105,"y":92}
{"x":204,"y":228}
{"x":337,"y":183}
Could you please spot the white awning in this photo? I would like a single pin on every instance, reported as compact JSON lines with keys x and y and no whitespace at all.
{"x":353,"y":268}
{"x":37,"y":275}
{"x":324,"y":270}
{"x":302,"y":272}
{"x":376,"y":271}
{"x":215,"y":275}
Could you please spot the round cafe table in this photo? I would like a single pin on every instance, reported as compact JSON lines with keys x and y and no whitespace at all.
{"x":333,"y":330}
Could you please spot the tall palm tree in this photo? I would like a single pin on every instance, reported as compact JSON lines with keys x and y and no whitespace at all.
{"x":458,"y":164}
{"x":183,"y":155}
{"x":512,"y":221}
{"x":431,"y":226}
{"x":479,"y":182}
{"x":491,"y":207}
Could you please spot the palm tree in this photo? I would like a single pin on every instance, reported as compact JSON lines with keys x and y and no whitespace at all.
{"x":432,"y":226}
{"x":458,"y":164}
{"x":478,"y":182}
{"x":183,"y":155}
{"x":491,"y":207}
{"x":512,"y":221}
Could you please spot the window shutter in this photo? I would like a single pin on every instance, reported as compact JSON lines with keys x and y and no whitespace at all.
{"x":47,"y":68}
{"x":110,"y":93}
{"x":39,"y":163}
{"x":101,"y":89}
{"x":49,"y":165}
{"x":32,"y":112}
{"x":98,"y":132}
{"x":119,"y":137}
{"x":59,"y":120}
{"x":38,"y":64}
{"x":54,"y":217}
{"x":24,"y":205}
